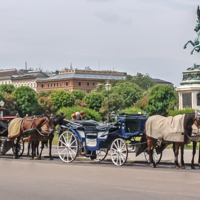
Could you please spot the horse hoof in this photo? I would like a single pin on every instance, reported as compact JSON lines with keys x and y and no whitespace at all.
{"x":51,"y":158}
{"x":152,"y":165}
{"x":183,"y":167}
{"x":36,"y":158}
{"x":15,"y":157}
{"x":177,"y":166}
{"x":29,"y":158}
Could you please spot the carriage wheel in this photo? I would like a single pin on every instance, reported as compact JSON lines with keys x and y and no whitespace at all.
{"x":20,"y":146}
{"x":101,"y":155}
{"x":67,"y":146}
{"x":156,"y":157}
{"x":119,"y":152}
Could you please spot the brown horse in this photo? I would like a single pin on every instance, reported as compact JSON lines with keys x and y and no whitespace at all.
{"x":56,"y":120}
{"x":189,"y":120}
{"x":33,"y":124}
{"x":46,"y":133}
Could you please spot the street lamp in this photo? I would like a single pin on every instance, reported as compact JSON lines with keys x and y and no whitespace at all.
{"x":2,"y":103}
{"x":108,"y":87}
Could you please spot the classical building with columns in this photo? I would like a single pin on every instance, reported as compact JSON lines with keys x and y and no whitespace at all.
{"x":189,"y":90}
{"x":74,"y":79}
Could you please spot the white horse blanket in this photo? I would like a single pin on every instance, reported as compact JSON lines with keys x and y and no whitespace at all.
{"x":167,"y":128}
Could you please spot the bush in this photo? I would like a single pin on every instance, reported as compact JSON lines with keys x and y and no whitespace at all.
{"x":181,"y":112}
{"x":78,"y":94}
{"x":90,"y":114}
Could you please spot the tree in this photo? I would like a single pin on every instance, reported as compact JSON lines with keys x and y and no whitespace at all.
{"x":44,"y":94}
{"x":160,"y":98}
{"x":26,"y":101}
{"x":130,"y":92}
{"x":93,"y":100}
{"x":78,"y":94}
{"x":142,"y":80}
{"x":47,"y":104}
{"x":7,"y":88}
{"x":10,"y":105}
{"x":116,"y":102}
{"x":62,"y":98}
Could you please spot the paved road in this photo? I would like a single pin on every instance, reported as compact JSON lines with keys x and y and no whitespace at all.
{"x":83,"y":179}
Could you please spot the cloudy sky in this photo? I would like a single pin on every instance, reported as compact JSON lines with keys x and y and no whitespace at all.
{"x":145,"y":36}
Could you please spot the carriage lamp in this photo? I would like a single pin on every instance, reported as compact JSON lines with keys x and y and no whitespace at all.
{"x":108,"y":87}
{"x":2,"y":103}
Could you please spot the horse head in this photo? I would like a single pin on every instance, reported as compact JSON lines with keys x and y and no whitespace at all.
{"x":58,"y":119}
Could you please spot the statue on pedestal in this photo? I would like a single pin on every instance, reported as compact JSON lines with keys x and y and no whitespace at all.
{"x":196,"y":43}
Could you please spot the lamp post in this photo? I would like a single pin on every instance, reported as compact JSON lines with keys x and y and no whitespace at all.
{"x":2,"y":103}
{"x":108,"y":87}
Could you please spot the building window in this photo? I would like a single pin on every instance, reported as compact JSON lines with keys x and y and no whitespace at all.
{"x":67,"y":83}
{"x":79,"y":83}
{"x":48,"y":85}
{"x":42,"y":85}
{"x":93,"y":84}
{"x":51,"y":84}
{"x":60,"y":84}
{"x":88,"y":84}
{"x":54,"y":85}
{"x":57,"y":84}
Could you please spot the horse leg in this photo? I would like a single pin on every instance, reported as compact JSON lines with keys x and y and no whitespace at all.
{"x":150,"y":152}
{"x":50,"y":146}
{"x":195,"y":47}
{"x":192,"y":43}
{"x":42,"y":147}
{"x":193,"y":154}
{"x":182,"y":156}
{"x":16,"y":148}
{"x":176,"y":149}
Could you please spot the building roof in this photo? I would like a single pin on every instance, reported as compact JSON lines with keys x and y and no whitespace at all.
{"x":159,"y":81}
{"x":83,"y":76}
{"x":30,"y":74}
{"x":8,"y":72}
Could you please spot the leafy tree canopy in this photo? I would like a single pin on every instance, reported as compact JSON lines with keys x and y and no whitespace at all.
{"x":62,"y":98}
{"x":26,"y":100}
{"x":78,"y":94}
{"x":143,"y":80}
{"x":129,"y":91}
{"x":44,"y":94}
{"x":160,"y":98}
{"x":7,"y":88}
{"x":93,"y":100}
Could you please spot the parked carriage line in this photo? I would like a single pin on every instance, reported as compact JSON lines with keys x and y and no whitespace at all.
{"x":94,"y":140}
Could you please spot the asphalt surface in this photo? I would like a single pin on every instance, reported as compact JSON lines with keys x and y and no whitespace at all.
{"x":84,"y":179}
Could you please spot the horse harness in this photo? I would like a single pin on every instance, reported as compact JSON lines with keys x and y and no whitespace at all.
{"x":31,"y":126}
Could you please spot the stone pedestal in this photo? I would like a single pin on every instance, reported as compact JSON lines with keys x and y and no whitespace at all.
{"x":189,"y":90}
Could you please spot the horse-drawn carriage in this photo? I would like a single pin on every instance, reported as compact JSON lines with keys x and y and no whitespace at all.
{"x":95,"y":140}
{"x":5,"y":143}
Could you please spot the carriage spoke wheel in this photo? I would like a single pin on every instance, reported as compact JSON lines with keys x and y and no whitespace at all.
{"x":119,"y":152}
{"x":101,"y":155}
{"x":67,"y":146}
{"x":156,"y":157}
{"x":20,"y":146}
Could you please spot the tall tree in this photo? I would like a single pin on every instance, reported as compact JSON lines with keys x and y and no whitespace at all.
{"x":93,"y":100}
{"x":160,"y":98}
{"x":78,"y":94}
{"x":8,"y":88}
{"x":26,"y":100}
{"x":62,"y":98}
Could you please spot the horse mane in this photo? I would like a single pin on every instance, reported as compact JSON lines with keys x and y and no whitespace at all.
{"x":189,"y":119}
